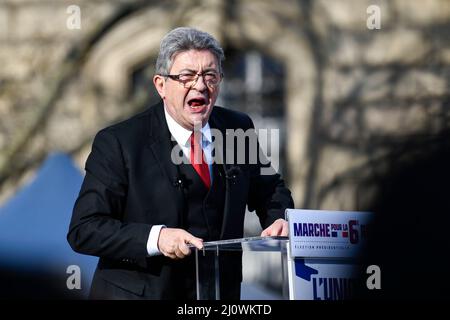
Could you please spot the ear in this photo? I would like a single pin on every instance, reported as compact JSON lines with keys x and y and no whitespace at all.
{"x":160,"y":85}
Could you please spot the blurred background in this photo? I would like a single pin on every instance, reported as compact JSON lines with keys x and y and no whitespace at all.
{"x":349,"y":102}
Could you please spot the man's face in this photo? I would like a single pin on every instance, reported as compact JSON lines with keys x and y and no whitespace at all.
{"x":189,"y":106}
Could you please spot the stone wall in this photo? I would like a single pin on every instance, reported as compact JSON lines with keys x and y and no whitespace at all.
{"x":36,"y":117}
{"x":350,"y":91}
{"x":379,"y":88}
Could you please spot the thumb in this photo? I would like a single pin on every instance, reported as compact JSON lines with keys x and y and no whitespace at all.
{"x":197,"y":242}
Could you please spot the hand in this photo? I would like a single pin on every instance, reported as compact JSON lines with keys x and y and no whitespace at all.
{"x":278,"y":228}
{"x":173,"y":243}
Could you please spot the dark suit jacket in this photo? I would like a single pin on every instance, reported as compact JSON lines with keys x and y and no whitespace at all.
{"x":129,"y":187}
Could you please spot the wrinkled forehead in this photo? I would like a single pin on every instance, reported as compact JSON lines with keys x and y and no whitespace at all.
{"x":195,"y":60}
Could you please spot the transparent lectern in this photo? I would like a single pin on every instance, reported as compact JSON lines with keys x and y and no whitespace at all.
{"x":208,"y":263}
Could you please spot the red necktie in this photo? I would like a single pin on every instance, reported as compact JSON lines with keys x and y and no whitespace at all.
{"x":197,"y":159}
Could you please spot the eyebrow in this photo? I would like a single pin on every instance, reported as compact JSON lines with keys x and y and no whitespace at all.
{"x":195,"y":71}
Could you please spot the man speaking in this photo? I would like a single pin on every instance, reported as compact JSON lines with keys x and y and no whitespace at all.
{"x":139,"y":210}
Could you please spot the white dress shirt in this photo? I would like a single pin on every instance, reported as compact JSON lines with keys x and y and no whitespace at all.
{"x":182,"y":137}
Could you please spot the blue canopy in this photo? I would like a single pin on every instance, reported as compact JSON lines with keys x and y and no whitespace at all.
{"x":34,"y":224}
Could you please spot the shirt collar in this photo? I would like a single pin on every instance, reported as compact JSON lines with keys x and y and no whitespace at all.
{"x":181,"y":134}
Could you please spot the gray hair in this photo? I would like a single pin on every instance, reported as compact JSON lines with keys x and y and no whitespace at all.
{"x":184,"y":39}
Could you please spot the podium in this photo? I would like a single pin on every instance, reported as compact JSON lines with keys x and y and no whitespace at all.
{"x":207,"y":261}
{"x":319,"y":259}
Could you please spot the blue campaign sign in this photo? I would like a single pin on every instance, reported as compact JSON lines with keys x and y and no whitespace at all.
{"x":33,"y":228}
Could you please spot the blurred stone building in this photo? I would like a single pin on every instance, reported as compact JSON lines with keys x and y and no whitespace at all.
{"x":343,"y":96}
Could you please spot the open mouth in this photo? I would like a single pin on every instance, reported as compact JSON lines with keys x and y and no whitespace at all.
{"x":197,"y":103}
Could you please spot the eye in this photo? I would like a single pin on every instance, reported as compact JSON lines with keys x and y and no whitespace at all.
{"x":210,"y":76}
{"x":187,"y":76}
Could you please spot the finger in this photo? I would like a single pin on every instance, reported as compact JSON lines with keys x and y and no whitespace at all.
{"x":179,"y":254}
{"x":285,"y":231}
{"x":170,"y":255}
{"x":184,"y":249}
{"x":197,"y":242}
{"x":279,"y":229}
{"x":266,"y":232}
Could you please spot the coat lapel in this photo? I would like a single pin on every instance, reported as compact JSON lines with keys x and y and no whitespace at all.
{"x":161,"y":146}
